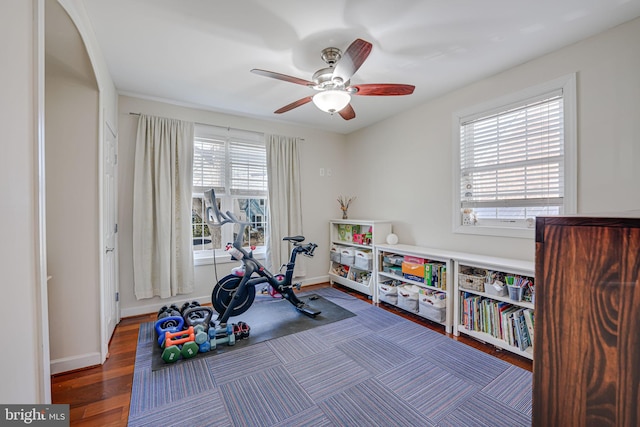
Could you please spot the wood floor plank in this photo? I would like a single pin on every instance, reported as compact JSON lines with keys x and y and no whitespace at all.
{"x":100,"y":396}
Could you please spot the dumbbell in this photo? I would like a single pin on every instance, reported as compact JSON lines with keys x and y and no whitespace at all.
{"x":229,"y":340}
{"x":168,"y":311}
{"x":171,"y":354}
{"x":168,"y":324}
{"x":241,"y":330}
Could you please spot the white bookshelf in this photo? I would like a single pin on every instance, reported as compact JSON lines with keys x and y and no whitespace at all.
{"x":501,"y":265}
{"x":430,"y":255}
{"x":338,"y":237}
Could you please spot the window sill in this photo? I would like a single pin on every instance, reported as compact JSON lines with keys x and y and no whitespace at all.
{"x":522,"y":233}
{"x":222,"y":257}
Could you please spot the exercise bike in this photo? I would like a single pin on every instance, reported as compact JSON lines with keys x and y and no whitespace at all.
{"x":234,"y":293}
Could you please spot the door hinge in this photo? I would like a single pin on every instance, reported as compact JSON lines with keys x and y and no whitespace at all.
{"x":115,"y":228}
{"x":117,"y":296}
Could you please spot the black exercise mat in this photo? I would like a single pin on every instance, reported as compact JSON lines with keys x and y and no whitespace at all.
{"x":268,"y":320}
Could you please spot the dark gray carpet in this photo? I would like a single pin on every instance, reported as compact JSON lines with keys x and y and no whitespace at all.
{"x":373,"y":369}
{"x":269,"y":318}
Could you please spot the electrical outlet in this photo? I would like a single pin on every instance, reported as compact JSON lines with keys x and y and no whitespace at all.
{"x":321,"y":171}
{"x":329,"y":172}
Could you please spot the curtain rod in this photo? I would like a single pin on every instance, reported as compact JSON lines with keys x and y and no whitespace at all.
{"x":221,"y":127}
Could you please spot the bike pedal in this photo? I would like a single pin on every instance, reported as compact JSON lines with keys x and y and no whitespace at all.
{"x":308,"y":310}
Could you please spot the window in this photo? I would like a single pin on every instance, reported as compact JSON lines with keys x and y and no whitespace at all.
{"x":515,"y":161}
{"x":234,"y":163}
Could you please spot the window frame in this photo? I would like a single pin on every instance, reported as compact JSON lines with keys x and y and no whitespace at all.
{"x":227,"y":195}
{"x":566,"y":84}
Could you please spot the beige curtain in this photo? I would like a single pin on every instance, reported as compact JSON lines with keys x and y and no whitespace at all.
{"x":162,"y":245}
{"x":285,"y":201}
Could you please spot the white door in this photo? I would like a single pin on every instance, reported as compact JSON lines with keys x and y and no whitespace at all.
{"x":110,"y":304}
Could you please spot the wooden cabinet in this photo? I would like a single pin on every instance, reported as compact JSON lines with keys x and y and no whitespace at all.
{"x":586,"y":369}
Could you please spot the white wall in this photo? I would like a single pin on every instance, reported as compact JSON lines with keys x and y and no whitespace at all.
{"x":319,"y":150}
{"x":18,"y":210}
{"x":410,"y":181}
{"x":73,"y":255}
{"x":79,"y":97}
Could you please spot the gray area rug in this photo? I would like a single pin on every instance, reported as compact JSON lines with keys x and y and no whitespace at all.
{"x":268,"y":318}
{"x":373,"y":369}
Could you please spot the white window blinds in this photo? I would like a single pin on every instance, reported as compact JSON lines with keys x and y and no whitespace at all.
{"x":230,"y":161}
{"x":511,"y":161}
{"x":209,"y":162}
{"x":248,"y":168}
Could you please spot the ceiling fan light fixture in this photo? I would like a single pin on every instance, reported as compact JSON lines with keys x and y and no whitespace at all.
{"x":331,"y":101}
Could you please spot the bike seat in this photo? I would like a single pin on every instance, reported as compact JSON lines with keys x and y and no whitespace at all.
{"x":296,"y":239}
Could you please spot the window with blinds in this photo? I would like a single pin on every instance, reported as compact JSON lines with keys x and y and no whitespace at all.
{"x":512,"y":161}
{"x":234,"y":164}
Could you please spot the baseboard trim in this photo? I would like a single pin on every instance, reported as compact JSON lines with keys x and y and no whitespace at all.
{"x":73,"y":363}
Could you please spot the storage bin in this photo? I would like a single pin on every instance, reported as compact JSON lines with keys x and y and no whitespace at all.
{"x":393,"y":269}
{"x":432,"y":305}
{"x":393,"y":259}
{"x":347,"y":256}
{"x":388,"y":292}
{"x":334,"y":253}
{"x":515,"y":292}
{"x":363,"y":260}
{"x":431,"y":312}
{"x":362,"y":277}
{"x":408,"y":297}
{"x":492,"y":289}
{"x":472,"y":280}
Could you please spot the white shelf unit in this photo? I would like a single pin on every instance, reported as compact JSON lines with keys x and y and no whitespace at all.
{"x":379,"y":231}
{"x":432,"y":256}
{"x":501,"y":265}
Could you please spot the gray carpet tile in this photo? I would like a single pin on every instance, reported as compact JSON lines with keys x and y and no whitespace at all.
{"x":243,"y":362}
{"x":152,"y":389}
{"x":371,"y":404}
{"x":464,"y":361}
{"x":374,"y":369}
{"x":312,"y":417}
{"x":327,"y":373}
{"x":375,"y":353}
{"x":265,"y":398}
{"x":376,"y":318}
{"x":338,"y":332}
{"x":413,"y":337}
{"x":513,"y":387}
{"x":431,"y":390}
{"x":210,"y":412}
{"x":482,"y":410}
{"x":296,"y":346}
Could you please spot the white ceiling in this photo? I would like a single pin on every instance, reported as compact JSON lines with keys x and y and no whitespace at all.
{"x":199,"y":52}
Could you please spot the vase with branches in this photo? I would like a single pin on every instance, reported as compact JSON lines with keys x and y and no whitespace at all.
{"x":344,"y":205}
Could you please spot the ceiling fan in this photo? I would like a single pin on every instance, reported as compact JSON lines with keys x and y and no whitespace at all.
{"x":333,"y":82}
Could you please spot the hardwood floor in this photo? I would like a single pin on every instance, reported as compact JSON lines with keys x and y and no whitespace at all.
{"x":100,"y":395}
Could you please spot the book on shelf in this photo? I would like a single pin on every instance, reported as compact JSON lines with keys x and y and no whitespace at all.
{"x":522,"y":333}
{"x":528,"y":318}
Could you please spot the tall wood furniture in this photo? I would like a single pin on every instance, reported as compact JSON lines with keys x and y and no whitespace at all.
{"x":586,"y":369}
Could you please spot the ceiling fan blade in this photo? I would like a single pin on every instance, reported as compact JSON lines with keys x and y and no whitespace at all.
{"x":347,"y":112}
{"x":382,"y":89}
{"x":282,"y":77}
{"x":352,"y":59}
{"x":293,"y":105}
